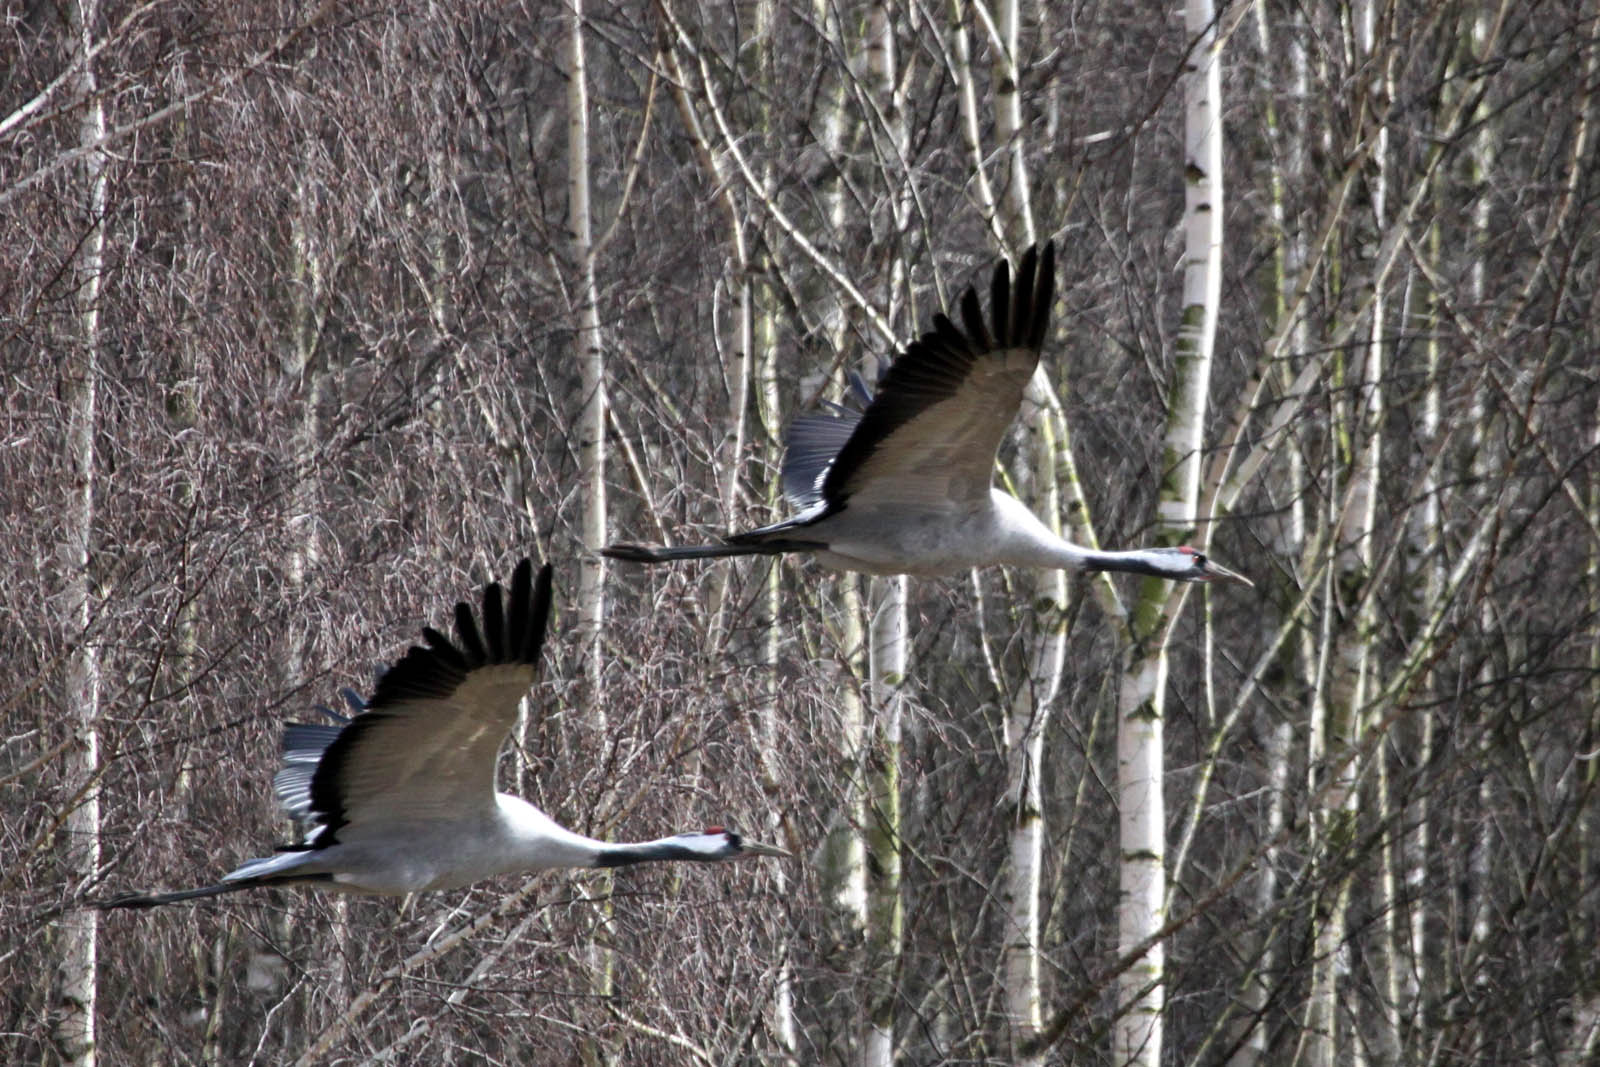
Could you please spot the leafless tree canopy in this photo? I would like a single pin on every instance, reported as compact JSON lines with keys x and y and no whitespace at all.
{"x":336,"y":390}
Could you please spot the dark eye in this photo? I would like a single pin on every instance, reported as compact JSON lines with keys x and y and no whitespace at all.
{"x":1199,"y":559}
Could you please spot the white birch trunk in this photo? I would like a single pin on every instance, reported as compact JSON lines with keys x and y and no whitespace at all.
{"x":967,"y":97}
{"x":591,"y":444}
{"x":1588,"y":823}
{"x":1489,"y":462}
{"x":1589,"y":920}
{"x":1383,"y":1026}
{"x":1425,"y":537}
{"x":591,"y":365}
{"x":886,"y":663}
{"x":304,"y":378}
{"x":1136,"y":1035}
{"x":1137,"y":1032}
{"x":1290,"y":261}
{"x":763,"y":359}
{"x":885,"y":914}
{"x":183,"y":419}
{"x":303,"y":374}
{"x":784,"y":1028}
{"x":1352,"y":664}
{"x":1029,"y":713}
{"x":1018,"y":205}
{"x":844,"y":866}
{"x":75,"y":1037}
{"x":844,"y":860}
{"x":1026,"y":721}
{"x":1418,"y":840}
{"x":1316,"y":1031}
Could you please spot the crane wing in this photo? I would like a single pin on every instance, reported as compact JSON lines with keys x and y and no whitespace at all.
{"x":930,"y":435}
{"x":427,"y":743}
{"x":808,"y":450}
{"x":814,"y":440}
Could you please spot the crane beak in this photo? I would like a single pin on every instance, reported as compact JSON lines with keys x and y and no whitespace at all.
{"x":1215,"y":572}
{"x":755,"y":848}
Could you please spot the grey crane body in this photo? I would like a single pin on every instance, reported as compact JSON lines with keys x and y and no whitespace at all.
{"x":448,"y":851}
{"x":908,"y":537}
{"x":401,"y":798}
{"x":906,"y":486}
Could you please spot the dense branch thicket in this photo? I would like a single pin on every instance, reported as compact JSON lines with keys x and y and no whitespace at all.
{"x":336,"y":319}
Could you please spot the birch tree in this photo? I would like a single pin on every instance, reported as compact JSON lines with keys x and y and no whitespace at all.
{"x":1028,"y":716}
{"x":1383,"y":1023}
{"x":844,"y":860}
{"x":1288,"y":262}
{"x":78,"y":955}
{"x":1338,"y":728}
{"x":887,"y":653}
{"x":589,"y":354}
{"x":763,"y":358}
{"x":1137,"y":1036}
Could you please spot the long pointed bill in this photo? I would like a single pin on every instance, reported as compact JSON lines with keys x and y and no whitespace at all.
{"x":1215,"y":572}
{"x":755,"y":848}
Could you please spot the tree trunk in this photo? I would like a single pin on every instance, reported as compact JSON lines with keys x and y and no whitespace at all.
{"x":1289,"y":256}
{"x":305,"y":375}
{"x":1028,"y":715}
{"x":844,"y":857}
{"x":1383,"y":1023}
{"x":1137,"y":1035}
{"x":1352,"y":667}
{"x":590,"y":356}
{"x":588,"y":353}
{"x":1017,"y":210}
{"x":885,"y":910}
{"x":887,"y":657}
{"x":75,"y":1036}
{"x":763,"y":359}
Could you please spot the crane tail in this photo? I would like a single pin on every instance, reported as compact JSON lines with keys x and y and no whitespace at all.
{"x":630,"y":553}
{"x":155,"y":900}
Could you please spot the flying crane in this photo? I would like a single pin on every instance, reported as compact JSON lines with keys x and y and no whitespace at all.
{"x":401,"y":798}
{"x":906,"y":486}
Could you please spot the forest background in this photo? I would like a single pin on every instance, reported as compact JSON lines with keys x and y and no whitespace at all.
{"x":314,"y":317}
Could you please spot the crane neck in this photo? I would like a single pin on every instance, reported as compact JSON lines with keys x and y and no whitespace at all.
{"x":1028,"y":542}
{"x":1131,"y":561}
{"x":665,"y":848}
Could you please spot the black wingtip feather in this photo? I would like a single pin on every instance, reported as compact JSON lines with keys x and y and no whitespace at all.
{"x":517,"y":625}
{"x":1022,"y":295}
{"x":538,"y":615}
{"x":1000,"y":304}
{"x":972,"y":318}
{"x":1044,"y":296}
{"x":467,"y":633}
{"x":494,"y":622}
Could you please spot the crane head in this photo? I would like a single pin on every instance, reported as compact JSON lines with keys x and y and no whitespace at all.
{"x":718,"y":843}
{"x":1187,"y":564}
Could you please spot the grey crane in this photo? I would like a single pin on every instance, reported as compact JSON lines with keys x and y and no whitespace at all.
{"x":906,"y":486}
{"x":401,"y":798}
